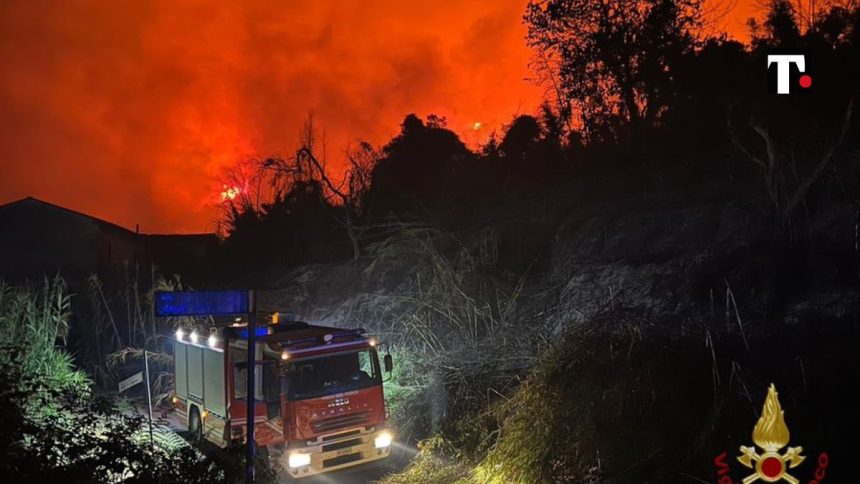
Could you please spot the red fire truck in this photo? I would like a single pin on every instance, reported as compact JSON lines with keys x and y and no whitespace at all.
{"x":318,"y":406}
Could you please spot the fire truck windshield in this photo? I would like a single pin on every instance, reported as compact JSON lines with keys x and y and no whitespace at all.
{"x":336,"y":373}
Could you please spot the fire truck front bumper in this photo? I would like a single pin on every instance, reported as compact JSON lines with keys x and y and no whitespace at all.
{"x":331,"y":453}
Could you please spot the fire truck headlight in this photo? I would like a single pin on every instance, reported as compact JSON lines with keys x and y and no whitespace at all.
{"x":383,"y":439}
{"x":297,"y":459}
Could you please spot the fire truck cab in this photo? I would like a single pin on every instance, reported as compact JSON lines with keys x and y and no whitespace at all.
{"x":318,"y":403}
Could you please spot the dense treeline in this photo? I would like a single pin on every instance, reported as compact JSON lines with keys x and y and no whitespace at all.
{"x":639,"y":102}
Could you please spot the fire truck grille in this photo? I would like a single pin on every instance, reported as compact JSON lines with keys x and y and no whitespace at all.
{"x":340,"y":421}
{"x":341,"y":435}
{"x":341,"y":445}
{"x":342,"y":459}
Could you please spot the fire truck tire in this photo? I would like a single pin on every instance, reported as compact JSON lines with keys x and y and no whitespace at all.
{"x":195,"y":425}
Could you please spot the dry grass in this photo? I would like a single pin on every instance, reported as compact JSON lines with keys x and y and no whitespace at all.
{"x":438,"y":462}
{"x":599,"y":406}
{"x":125,"y":325}
{"x":455,"y":327}
{"x":626,"y":397}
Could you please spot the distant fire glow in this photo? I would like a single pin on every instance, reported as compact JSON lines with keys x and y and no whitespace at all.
{"x":230,"y":193}
{"x":230,"y":81}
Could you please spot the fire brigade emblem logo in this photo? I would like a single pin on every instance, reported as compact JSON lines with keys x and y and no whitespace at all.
{"x":771,"y":435}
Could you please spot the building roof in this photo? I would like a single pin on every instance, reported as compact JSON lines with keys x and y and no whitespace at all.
{"x":166,"y":237}
{"x":36,"y":201}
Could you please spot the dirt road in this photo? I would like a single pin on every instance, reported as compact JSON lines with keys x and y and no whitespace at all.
{"x":361,"y":475}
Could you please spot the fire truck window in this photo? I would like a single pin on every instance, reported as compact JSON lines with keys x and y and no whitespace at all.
{"x":240,"y":382}
{"x":337,"y":373}
{"x":240,"y":374}
{"x":365,"y":367}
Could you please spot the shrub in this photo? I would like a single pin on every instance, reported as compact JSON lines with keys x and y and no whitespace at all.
{"x":52,"y":428}
{"x":36,"y":320}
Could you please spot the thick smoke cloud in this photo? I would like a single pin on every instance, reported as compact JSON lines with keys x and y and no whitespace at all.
{"x":132,"y":110}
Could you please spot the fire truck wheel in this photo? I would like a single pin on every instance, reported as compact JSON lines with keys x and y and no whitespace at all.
{"x":195,"y":425}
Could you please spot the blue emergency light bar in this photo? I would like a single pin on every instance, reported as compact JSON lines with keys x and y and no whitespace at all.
{"x":201,"y":303}
{"x":264,"y":331}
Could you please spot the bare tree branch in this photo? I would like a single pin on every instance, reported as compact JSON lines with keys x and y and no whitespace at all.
{"x":733,"y":136}
{"x":800,"y":192}
{"x":768,"y":143}
{"x":305,"y":153}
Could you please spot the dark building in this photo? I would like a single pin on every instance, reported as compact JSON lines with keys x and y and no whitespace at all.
{"x":38,"y":238}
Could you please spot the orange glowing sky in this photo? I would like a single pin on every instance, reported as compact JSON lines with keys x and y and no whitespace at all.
{"x":131,"y":111}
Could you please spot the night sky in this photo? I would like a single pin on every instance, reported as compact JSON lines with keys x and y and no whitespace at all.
{"x":132,"y":111}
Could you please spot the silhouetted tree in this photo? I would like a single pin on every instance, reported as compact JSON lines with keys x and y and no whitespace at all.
{"x":351,"y":195}
{"x":614,"y":58}
{"x":296,"y":205}
{"x":420,"y":172}
{"x":530,"y":153}
{"x":521,"y":138}
{"x":794,"y":140}
{"x":780,"y":28}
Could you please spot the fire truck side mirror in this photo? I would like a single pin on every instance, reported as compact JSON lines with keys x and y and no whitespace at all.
{"x":388,"y":363}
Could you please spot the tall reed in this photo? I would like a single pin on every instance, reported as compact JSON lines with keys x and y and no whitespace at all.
{"x":35,"y":320}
